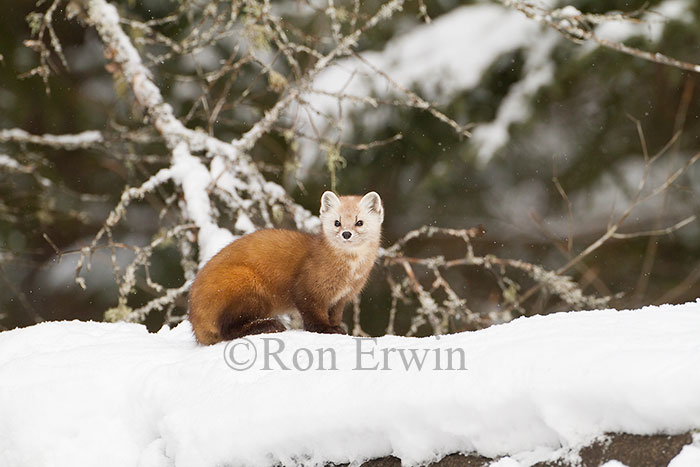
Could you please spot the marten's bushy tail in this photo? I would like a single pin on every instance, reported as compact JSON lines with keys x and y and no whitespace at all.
{"x":231,"y":306}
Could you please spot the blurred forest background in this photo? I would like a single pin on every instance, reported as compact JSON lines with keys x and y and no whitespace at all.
{"x":562,"y":133}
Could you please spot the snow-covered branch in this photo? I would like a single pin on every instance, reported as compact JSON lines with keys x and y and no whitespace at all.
{"x":81,"y":140}
{"x":179,"y":139}
{"x":576,"y":26}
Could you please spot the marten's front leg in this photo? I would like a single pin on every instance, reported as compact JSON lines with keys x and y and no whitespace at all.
{"x":312,"y":299}
{"x":314,"y":321}
{"x":315,"y":317}
{"x":312,"y":311}
{"x":335,"y":316}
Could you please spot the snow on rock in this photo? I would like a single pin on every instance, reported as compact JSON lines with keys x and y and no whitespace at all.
{"x":505,"y":462}
{"x":85,"y":393}
{"x":689,"y":455}
{"x":613,"y":463}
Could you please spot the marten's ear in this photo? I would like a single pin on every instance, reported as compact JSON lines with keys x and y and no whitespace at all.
{"x":371,"y":202}
{"x":329,"y":201}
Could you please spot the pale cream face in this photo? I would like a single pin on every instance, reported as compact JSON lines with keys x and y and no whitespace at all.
{"x":352,"y":221}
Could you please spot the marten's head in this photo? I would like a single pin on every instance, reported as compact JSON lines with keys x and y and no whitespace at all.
{"x":352,"y":221}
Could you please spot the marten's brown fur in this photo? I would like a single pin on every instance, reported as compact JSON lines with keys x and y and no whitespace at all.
{"x":241,"y":289}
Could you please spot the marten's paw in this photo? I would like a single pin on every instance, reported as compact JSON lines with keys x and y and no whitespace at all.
{"x":327,"y":329}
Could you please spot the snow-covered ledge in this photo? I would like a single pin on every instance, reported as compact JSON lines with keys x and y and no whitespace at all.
{"x":85,"y":394}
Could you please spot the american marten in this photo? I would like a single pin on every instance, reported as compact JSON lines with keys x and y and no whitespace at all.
{"x":269,"y":272}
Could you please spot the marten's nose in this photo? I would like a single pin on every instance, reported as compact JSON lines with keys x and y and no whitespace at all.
{"x":347,"y":234}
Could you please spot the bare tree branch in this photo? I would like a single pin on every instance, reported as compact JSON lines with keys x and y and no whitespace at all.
{"x":572,"y":24}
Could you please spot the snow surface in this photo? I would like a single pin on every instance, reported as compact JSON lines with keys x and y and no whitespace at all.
{"x":85,"y":394}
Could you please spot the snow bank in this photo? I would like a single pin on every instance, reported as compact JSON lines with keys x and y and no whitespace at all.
{"x":85,"y":394}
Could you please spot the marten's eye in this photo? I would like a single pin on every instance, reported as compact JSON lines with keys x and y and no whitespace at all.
{"x":337,"y":223}
{"x":358,"y":224}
